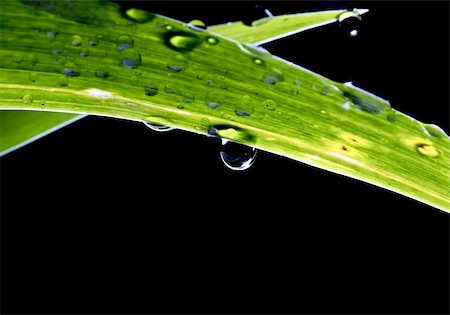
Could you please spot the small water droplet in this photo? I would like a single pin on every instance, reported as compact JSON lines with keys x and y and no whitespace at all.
{"x":214,"y":99}
{"x":139,"y":16}
{"x":93,"y":42}
{"x":182,"y":41}
{"x":364,"y":104}
{"x":27,"y":99}
{"x":101,"y":73}
{"x":297,"y":82}
{"x":52,"y":34}
{"x":170,"y":88}
{"x":325,"y":91}
{"x":62,"y":81}
{"x":177,"y":63}
{"x":212,"y":41}
{"x":57,"y":47}
{"x":197,"y":25}
{"x":84,"y":52}
{"x":42,"y":102}
{"x":269,"y":105}
{"x":258,"y":61}
{"x":350,"y":23}
{"x":169,"y":27}
{"x":76,"y":40}
{"x":71,"y":70}
{"x":427,"y":149}
{"x":347,"y":106}
{"x":272,"y":77}
{"x":124,"y":42}
{"x":33,"y":76}
{"x":158,"y":127}
{"x":391,"y":117}
{"x":236,"y":156}
{"x":151,"y":90}
{"x":246,"y":107}
{"x":130,"y":58}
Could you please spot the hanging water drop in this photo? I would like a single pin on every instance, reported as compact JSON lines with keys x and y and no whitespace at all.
{"x":158,"y":127}
{"x":350,"y":22}
{"x":236,"y":156}
{"x":130,"y":58}
{"x":124,"y":42}
{"x":197,"y":25}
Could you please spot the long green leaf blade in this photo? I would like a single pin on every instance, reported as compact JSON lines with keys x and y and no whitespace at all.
{"x":208,"y":84}
{"x":275,"y":27}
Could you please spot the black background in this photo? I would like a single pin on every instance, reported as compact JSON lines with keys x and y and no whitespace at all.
{"x":106,"y":216}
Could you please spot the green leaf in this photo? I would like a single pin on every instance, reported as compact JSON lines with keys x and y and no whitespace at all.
{"x":275,"y":27}
{"x":19,"y":128}
{"x":165,"y":72}
{"x":262,"y":31}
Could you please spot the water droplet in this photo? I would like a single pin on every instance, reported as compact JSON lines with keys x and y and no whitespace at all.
{"x":130,"y":58}
{"x":57,"y":47}
{"x":269,"y":104}
{"x":391,"y":117}
{"x":245,"y":108}
{"x":71,"y":70}
{"x":169,"y":27}
{"x":214,"y":99}
{"x":139,"y":16}
{"x":435,"y":131}
{"x":364,"y":104}
{"x":347,"y":106}
{"x":258,"y":61}
{"x":124,"y":42}
{"x":158,"y":127}
{"x":27,"y":99}
{"x":182,"y":41}
{"x":170,"y":88}
{"x":427,"y":149}
{"x":212,"y":40}
{"x":272,"y":77}
{"x":236,"y":156}
{"x":177,"y":63}
{"x":255,"y":15}
{"x":297,"y":82}
{"x":151,"y":90}
{"x":93,"y":42}
{"x":52,"y":34}
{"x":325,"y":91}
{"x":84,"y":52}
{"x":62,"y":81}
{"x":33,"y":76}
{"x":350,"y":23}
{"x":197,"y":25}
{"x":42,"y":102}
{"x":76,"y":40}
{"x":101,"y":73}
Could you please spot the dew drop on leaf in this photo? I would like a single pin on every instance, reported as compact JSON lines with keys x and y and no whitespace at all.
{"x":212,"y":40}
{"x":62,"y":81}
{"x":27,"y":99}
{"x":71,"y":70}
{"x":245,"y":108}
{"x":124,"y":42}
{"x":93,"y":42}
{"x":84,"y":52}
{"x":139,"y":16}
{"x":214,"y":99}
{"x":151,"y":90}
{"x":182,"y":41}
{"x":158,"y":127}
{"x":76,"y":40}
{"x":130,"y":58}
{"x":269,"y":104}
{"x":101,"y":73}
{"x":236,"y":156}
